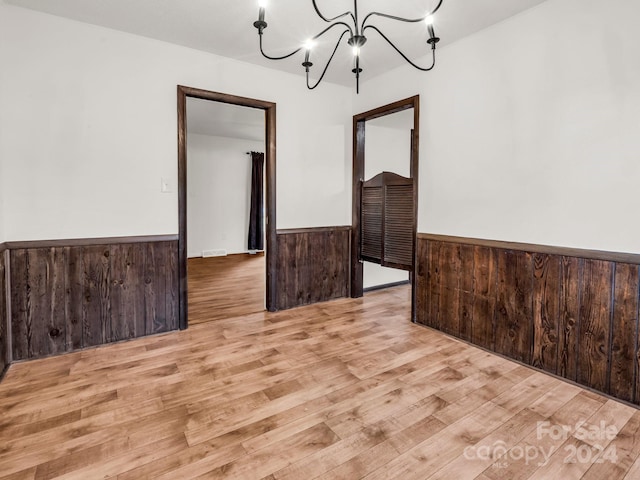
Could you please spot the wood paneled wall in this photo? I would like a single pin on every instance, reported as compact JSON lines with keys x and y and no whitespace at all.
{"x":570,"y":312}
{"x":4,"y":333}
{"x":69,"y":297}
{"x":313,"y":265}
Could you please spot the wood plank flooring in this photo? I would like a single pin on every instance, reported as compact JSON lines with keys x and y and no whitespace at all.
{"x":221,"y":287}
{"x":347,"y":389}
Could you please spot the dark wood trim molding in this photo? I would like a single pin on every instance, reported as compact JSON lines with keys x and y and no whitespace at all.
{"x":287,"y":231}
{"x":388,"y":109}
{"x":355,"y":287}
{"x":225,"y":98}
{"x":415,"y":174}
{"x":632,"y":258}
{"x":270,"y":207}
{"x":7,"y":306}
{"x":5,"y":312}
{"x":84,"y":242}
{"x":182,"y":207}
{"x":270,"y":193}
{"x":359,"y":136}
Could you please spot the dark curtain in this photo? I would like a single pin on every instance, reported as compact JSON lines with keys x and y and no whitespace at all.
{"x":256,"y":222}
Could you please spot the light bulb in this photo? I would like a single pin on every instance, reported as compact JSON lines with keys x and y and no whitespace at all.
{"x":428,"y":20}
{"x":262,"y":3}
{"x":309,"y":44}
{"x":356,"y":51}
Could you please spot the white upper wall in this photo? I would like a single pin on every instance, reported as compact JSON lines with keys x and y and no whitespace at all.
{"x":89,"y":128}
{"x":530,"y":129}
{"x":387,"y":150}
{"x":218,"y":193}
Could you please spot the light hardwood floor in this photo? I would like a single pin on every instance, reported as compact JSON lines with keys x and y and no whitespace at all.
{"x":342,"y":390}
{"x":221,"y":287}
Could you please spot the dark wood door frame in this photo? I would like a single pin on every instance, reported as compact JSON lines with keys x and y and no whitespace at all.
{"x":270,"y":191}
{"x":359,"y":122}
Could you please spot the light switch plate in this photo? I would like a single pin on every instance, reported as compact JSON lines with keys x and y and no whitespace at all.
{"x":165,"y":185}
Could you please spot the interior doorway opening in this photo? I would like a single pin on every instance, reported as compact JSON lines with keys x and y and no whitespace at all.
{"x":225,"y":210}
{"x":387,"y":149}
{"x":218,"y":274}
{"x":386,"y":165}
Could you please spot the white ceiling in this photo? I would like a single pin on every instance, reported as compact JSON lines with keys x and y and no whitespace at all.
{"x":217,"y":119}
{"x":225,"y":27}
{"x":402,"y":120}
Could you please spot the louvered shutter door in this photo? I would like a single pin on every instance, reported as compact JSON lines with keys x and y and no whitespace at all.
{"x":372,"y":223}
{"x":398,"y":226}
{"x":387,"y":223}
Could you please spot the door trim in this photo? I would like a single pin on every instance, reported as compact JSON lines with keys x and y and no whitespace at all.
{"x":270,"y":190}
{"x":359,"y":135}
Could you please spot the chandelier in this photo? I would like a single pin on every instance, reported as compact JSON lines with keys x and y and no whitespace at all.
{"x":349,"y":23}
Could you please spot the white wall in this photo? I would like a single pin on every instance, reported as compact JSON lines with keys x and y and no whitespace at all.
{"x":530,"y":130}
{"x":386,"y":150}
{"x":89,"y":126}
{"x":218,"y":193}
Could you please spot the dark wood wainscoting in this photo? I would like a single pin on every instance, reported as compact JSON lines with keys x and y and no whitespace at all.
{"x":570,"y":312}
{"x":5,"y":347}
{"x":313,"y":265}
{"x":71,"y":295}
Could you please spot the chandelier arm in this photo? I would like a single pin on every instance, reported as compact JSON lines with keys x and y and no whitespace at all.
{"x":400,"y":19}
{"x":326,"y":67}
{"x":329,"y":20}
{"x":346,"y":25}
{"x":424,"y":69}
{"x":315,"y":37}
{"x":277,"y":58}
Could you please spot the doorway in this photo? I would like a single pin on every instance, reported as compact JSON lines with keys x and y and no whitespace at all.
{"x":225,"y":157}
{"x":187,"y":95}
{"x":402,"y":115}
{"x":387,"y":149}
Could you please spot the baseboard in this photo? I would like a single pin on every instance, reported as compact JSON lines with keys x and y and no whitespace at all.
{"x":259,"y":253}
{"x":4,"y":372}
{"x":386,"y":285}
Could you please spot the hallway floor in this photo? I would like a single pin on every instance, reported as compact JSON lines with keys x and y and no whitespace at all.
{"x":224,"y":287}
